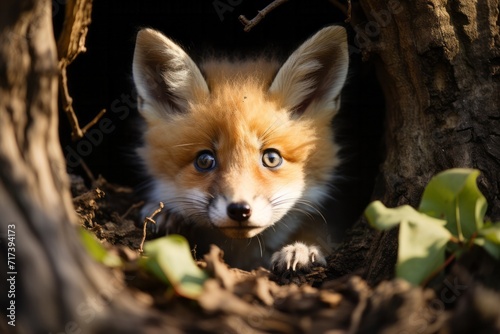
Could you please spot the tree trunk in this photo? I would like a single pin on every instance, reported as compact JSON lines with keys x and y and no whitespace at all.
{"x":52,"y":284}
{"x":438,"y":63}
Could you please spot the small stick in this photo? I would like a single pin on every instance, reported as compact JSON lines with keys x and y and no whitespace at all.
{"x":67,"y":104}
{"x":87,"y":170}
{"x":94,"y":121}
{"x":69,"y":45}
{"x":146,"y":221}
{"x":132,"y":207}
{"x":437,"y":270}
{"x":249,"y":24}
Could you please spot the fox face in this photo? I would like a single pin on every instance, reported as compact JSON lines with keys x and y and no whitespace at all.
{"x":239,"y":145}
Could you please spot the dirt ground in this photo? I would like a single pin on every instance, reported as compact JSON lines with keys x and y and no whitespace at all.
{"x":332,"y":300}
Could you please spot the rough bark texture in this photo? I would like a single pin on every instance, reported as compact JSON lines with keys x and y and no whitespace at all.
{"x":55,"y":285}
{"x":33,"y":189}
{"x":439,"y":67}
{"x":438,"y":63}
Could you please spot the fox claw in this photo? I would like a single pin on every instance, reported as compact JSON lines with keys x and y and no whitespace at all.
{"x":297,"y":256}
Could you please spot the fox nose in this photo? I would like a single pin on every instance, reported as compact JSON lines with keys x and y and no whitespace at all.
{"x":239,"y":211}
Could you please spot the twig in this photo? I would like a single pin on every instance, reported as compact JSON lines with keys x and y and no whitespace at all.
{"x":450,"y":258}
{"x":132,"y":207}
{"x":69,"y":45}
{"x":67,"y":105}
{"x":249,"y":24}
{"x":67,"y":101}
{"x":471,"y":240}
{"x":146,"y":221}
{"x":437,"y":270}
{"x":76,"y":21}
{"x":87,"y":170}
{"x":94,"y":121}
{"x":89,"y":195}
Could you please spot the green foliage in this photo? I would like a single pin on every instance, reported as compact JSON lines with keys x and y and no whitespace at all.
{"x":97,"y":251}
{"x":422,"y":239}
{"x":450,"y":216}
{"x":489,"y":238}
{"x":454,"y":196}
{"x":169,"y":258}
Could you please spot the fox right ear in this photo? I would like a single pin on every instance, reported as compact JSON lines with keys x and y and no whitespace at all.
{"x":165,"y":76}
{"x":310,"y":81}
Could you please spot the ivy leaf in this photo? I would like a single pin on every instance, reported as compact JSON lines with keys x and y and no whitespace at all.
{"x":422,"y":239}
{"x":169,"y":258}
{"x":453,"y":195}
{"x":97,"y":251}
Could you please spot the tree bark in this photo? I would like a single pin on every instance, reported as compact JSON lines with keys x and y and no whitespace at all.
{"x":438,"y":63}
{"x":53,"y":285}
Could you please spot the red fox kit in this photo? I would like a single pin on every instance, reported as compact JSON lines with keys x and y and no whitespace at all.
{"x":240,"y":150}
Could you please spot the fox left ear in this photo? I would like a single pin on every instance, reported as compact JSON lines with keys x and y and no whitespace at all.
{"x":165,"y":76}
{"x":311,"y":79}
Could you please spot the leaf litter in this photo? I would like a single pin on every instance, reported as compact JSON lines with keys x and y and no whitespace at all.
{"x":327,"y":300}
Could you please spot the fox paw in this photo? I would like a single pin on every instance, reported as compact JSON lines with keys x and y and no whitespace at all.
{"x":297,"y":256}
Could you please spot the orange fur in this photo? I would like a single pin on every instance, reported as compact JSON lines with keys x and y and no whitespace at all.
{"x":238,"y":112}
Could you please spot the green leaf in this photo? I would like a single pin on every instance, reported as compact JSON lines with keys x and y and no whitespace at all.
{"x":489,"y":239}
{"x":383,"y":218}
{"x":421,"y":249}
{"x":491,"y":233}
{"x":422,"y":239}
{"x":490,"y":246}
{"x":97,"y":251}
{"x":453,"y":195}
{"x":169,"y":258}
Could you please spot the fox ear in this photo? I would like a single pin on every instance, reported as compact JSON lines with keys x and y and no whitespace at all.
{"x":165,"y":76}
{"x":311,"y":79}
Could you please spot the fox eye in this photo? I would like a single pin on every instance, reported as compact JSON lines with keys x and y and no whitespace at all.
{"x":205,"y":161}
{"x":271,"y":158}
